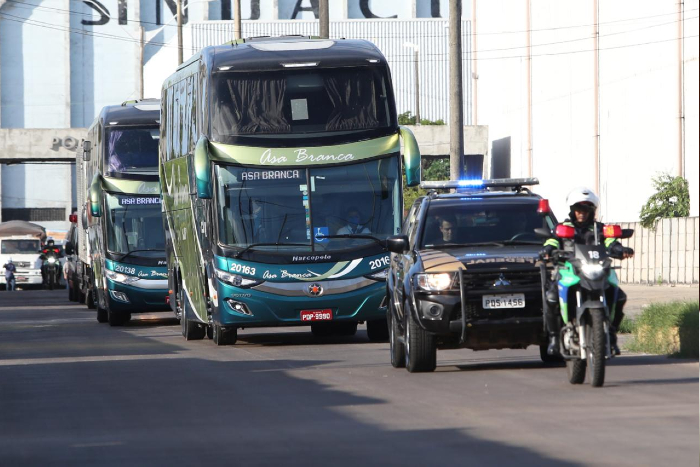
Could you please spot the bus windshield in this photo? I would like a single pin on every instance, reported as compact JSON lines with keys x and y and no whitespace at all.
{"x":338,"y":208}
{"x":134,"y":225}
{"x":131,"y":150}
{"x":300,"y":101}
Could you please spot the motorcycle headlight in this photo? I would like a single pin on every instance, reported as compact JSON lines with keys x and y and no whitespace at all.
{"x":52,"y":260}
{"x":593,"y":271}
{"x":121,"y":278}
{"x":235,"y":279}
{"x":434,"y":282}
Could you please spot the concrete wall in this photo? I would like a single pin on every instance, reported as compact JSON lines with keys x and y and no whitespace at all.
{"x":667,"y":255}
{"x":609,"y":120}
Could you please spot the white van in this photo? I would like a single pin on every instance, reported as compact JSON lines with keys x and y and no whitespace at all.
{"x":24,"y":251}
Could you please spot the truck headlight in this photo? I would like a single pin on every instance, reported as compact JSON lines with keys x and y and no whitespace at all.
{"x":121,"y":278}
{"x":434,"y":282}
{"x":592,"y":271}
{"x":235,"y":279}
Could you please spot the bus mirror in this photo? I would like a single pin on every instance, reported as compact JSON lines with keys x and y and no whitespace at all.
{"x":86,"y":150}
{"x":202,"y":169}
{"x":96,"y":196}
{"x":411,"y":156}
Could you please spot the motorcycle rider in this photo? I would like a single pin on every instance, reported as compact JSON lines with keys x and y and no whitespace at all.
{"x":583,"y":204}
{"x":49,"y":249}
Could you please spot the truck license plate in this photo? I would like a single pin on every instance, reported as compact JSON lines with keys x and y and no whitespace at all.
{"x":514,"y":300}
{"x":317,"y":315}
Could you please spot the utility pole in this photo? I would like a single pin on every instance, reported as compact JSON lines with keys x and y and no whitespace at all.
{"x":179,"y":32}
{"x":416,"y":83}
{"x":323,"y":29}
{"x":456,"y":117}
{"x":237,"y":19}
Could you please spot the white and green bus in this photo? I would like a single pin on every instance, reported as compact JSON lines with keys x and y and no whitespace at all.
{"x":281,"y":178}
{"x":126,"y":271}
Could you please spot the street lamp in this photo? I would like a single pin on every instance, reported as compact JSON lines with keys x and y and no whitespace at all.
{"x":416,"y":49}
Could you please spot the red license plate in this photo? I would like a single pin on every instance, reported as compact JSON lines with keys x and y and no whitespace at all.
{"x":317,"y":315}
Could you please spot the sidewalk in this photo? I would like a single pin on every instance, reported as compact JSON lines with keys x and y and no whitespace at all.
{"x":639,"y":296}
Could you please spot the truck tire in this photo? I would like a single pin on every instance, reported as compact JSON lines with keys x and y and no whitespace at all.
{"x":224,"y":335}
{"x":421,"y":348}
{"x":396,"y":348}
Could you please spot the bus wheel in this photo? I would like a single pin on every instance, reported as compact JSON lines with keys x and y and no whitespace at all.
{"x":378,"y":330}
{"x":101,"y":315}
{"x":117,"y":319}
{"x":210,"y":331}
{"x":224,"y":335}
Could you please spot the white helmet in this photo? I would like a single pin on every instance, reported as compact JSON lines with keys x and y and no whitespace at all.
{"x":582,"y":195}
{"x":9,"y":260}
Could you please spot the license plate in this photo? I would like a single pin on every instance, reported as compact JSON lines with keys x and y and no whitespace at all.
{"x":21,"y":279}
{"x":514,"y":300}
{"x":317,"y":315}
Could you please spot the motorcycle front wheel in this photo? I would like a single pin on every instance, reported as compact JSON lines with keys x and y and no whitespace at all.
{"x":596,"y":351}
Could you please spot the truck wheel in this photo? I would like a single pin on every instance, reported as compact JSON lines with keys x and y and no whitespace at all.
{"x":191,"y":330}
{"x":421,"y":349}
{"x":224,"y":335}
{"x":396,"y":348}
{"x":378,"y":330}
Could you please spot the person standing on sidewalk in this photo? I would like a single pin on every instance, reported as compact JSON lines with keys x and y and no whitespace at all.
{"x":10,"y":270}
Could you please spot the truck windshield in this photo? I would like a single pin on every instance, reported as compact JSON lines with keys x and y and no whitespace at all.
{"x":307,"y":209}
{"x":18,"y":246}
{"x":297,"y":102}
{"x":134,"y":225}
{"x":473,"y":223}
{"x":131,"y":150}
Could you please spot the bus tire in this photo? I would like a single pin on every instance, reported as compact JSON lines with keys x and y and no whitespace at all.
{"x":101,"y":315}
{"x":117,"y":319}
{"x":224,"y":335}
{"x":378,"y":330}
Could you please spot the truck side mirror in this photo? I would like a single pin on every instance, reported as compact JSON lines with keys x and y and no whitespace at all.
{"x":86,"y":150}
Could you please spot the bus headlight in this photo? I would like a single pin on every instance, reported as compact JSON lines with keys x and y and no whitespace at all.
{"x":379,"y":276}
{"x":434,"y":282}
{"x":121,"y":278}
{"x":235,"y":279}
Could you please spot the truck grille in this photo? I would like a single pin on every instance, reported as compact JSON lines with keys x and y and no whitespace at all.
{"x":22,"y":264}
{"x":485,"y":282}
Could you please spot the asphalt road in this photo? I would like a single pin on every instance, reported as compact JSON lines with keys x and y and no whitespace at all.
{"x":74,"y":392}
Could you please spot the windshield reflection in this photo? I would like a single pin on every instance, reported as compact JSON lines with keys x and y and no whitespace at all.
{"x":304,"y":209}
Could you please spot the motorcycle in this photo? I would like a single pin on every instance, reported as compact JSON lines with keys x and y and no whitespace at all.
{"x":588,"y":288}
{"x":51,"y":267}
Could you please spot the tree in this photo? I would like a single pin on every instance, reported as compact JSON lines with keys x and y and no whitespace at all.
{"x":431,"y":169}
{"x":407,"y":118}
{"x":672,"y":199}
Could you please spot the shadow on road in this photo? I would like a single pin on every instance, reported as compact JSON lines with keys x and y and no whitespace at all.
{"x":189,"y":411}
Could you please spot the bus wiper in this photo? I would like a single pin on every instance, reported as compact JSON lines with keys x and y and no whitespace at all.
{"x":137,"y":251}
{"x":254,"y":245}
{"x":379,"y":242}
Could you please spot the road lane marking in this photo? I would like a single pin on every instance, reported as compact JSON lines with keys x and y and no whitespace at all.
{"x":105,"y":358}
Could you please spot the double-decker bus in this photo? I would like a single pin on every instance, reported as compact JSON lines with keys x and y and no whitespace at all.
{"x":281,"y":174}
{"x":127,"y":271}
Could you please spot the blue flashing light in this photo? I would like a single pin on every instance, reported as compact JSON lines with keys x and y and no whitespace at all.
{"x":471,"y":183}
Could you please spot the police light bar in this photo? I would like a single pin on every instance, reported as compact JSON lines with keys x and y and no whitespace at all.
{"x":494,"y":182}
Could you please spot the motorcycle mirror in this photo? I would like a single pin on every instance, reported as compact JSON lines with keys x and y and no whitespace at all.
{"x":627,"y":233}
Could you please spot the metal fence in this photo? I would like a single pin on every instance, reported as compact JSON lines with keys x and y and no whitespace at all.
{"x":666,"y":255}
{"x":430,"y":35}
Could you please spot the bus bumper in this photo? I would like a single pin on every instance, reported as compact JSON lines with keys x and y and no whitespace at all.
{"x":144,"y":298}
{"x":250,"y":307}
